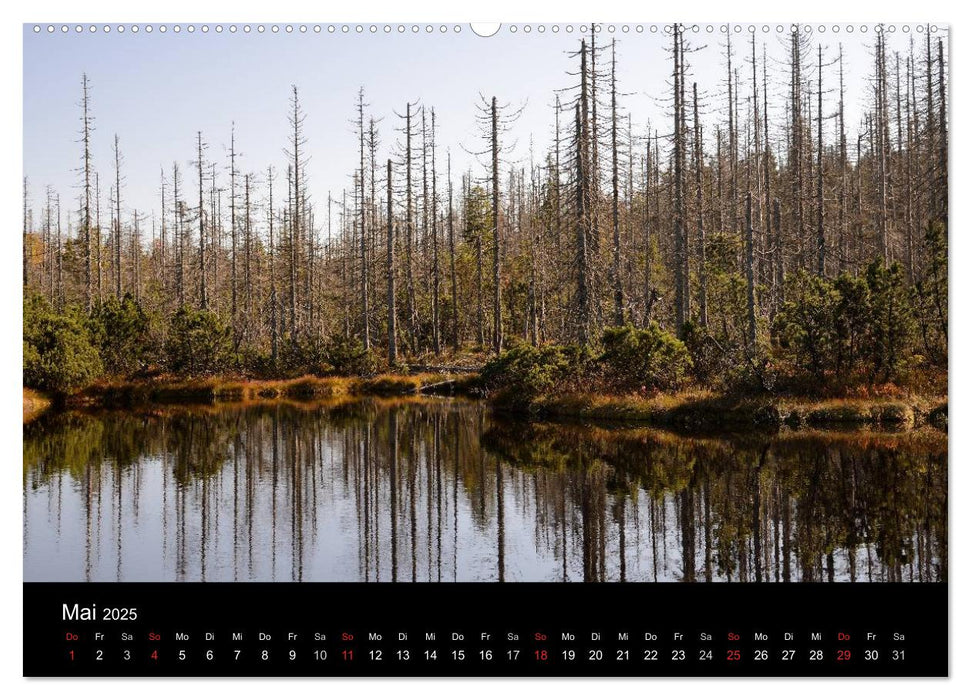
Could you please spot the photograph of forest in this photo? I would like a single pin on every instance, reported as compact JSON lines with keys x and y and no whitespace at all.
{"x":570,"y":303}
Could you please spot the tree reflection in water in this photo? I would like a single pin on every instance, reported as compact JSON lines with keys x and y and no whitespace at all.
{"x":434,"y":490}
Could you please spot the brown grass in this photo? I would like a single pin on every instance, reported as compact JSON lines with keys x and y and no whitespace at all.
{"x":207,"y":390}
{"x":35,"y":403}
{"x":704,"y":410}
{"x":883,"y":408}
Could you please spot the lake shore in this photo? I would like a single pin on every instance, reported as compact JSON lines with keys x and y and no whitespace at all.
{"x":223,"y":389}
{"x":35,"y":404}
{"x":698,"y":410}
{"x":703,"y":411}
{"x":161,"y":390}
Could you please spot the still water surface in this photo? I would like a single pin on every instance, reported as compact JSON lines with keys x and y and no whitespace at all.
{"x":440,"y":490}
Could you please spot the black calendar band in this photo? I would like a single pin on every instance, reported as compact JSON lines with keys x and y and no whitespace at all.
{"x":484,"y":629}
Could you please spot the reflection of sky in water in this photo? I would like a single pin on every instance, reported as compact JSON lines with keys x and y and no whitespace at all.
{"x":321,"y":508}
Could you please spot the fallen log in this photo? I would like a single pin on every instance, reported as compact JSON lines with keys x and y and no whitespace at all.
{"x":446,"y":387}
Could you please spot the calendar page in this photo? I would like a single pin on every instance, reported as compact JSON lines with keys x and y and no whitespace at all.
{"x":549,"y":349}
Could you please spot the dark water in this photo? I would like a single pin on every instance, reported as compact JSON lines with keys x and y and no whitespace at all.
{"x":442,"y":491}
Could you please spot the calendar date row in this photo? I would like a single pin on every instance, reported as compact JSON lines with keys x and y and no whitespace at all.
{"x":539,"y":655}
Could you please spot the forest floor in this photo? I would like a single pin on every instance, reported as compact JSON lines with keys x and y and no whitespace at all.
{"x":694,"y":410}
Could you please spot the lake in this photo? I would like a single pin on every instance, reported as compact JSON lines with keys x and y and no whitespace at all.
{"x":445,"y":490}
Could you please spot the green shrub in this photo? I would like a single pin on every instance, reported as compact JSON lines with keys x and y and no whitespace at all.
{"x":120,"y":331}
{"x":198,"y":342}
{"x":929,"y":297}
{"x":805,"y":326}
{"x":850,"y":326}
{"x":891,"y":327}
{"x":851,"y":321}
{"x":347,"y":357}
{"x":711,"y":358}
{"x":727,"y":296}
{"x":643,"y":358}
{"x":256,"y":361}
{"x":302,"y":355}
{"x":58,"y":353}
{"x":523,"y":372}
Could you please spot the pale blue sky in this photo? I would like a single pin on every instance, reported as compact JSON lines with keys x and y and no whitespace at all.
{"x":156,"y":90}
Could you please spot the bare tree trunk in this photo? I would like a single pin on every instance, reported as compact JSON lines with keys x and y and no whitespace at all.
{"x":532,"y":234}
{"x":615,"y":208}
{"x":292,"y":240}
{"x":346,"y":274}
{"x":375,"y":228}
{"x":898,"y":185}
{"x":719,"y":193}
{"x":732,"y":140}
{"x":136,"y":255}
{"x":215,"y":232}
{"x":909,"y":176}
{"x":755,"y":175}
{"x":389,"y":269}
{"x":409,"y":237}
{"x":583,"y":206}
{"x":425,"y":238}
{"x":365,"y":305}
{"x":859,"y":201}
{"x":164,"y":286}
{"x":232,"y":220}
{"x":456,"y":340}
{"x":247,"y":258}
{"x":436,"y":272}
{"x":479,"y":278}
{"x":177,"y":239}
{"x":680,"y":254}
{"x":582,"y":262}
{"x":750,"y":273}
{"x":700,"y":204}
{"x":630,"y":242}
{"x":203,"y":301}
{"x":931,"y":125}
{"x":271,"y":253}
{"x":99,"y":253}
{"x":842,"y":195}
{"x":310,"y":269}
{"x":60,"y":259}
{"x":557,"y":193}
{"x":496,"y":237}
{"x":795,"y":164}
{"x":883,"y":241}
{"x":771,"y":234}
{"x":648,"y":295}
{"x":86,"y":122}
{"x":942,"y":138}
{"x":49,"y":251}
{"x":593,"y":185}
{"x":117,"y":246}
{"x":296,"y":218}
{"x":820,"y":232}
